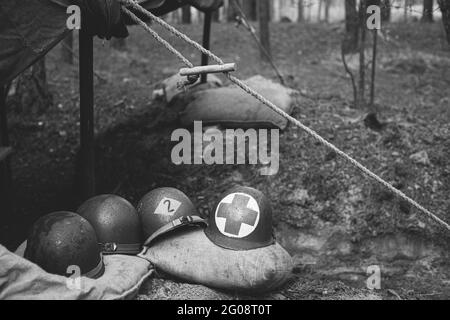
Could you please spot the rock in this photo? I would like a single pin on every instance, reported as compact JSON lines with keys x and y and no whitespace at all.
{"x":421,"y":157}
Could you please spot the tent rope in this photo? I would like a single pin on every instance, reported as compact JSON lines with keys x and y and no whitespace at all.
{"x":367,"y":172}
{"x":158,"y":38}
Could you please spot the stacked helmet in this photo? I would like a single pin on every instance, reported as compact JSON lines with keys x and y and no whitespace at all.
{"x":242,"y":220}
{"x":165,"y":209}
{"x":115,"y":222}
{"x":63,"y":240}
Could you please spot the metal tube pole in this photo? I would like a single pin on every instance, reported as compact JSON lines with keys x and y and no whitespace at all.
{"x":87,"y":148}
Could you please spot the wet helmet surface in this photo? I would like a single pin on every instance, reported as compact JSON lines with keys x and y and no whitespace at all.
{"x":115,"y":222}
{"x":61,"y":240}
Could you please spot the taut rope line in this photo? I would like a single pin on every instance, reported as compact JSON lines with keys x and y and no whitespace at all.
{"x":266,"y":102}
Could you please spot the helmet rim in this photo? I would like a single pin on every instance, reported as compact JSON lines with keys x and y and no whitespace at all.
{"x":236,"y":244}
{"x":176,"y":224}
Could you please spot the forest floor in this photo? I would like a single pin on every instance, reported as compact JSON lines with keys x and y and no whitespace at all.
{"x":334,"y":221}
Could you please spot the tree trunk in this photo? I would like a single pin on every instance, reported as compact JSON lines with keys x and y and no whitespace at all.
{"x":232,"y":12}
{"x":176,"y":16}
{"x":119,"y":44}
{"x":427,"y":15}
{"x":374,"y":68}
{"x":445,"y":8}
{"x":405,"y":10}
{"x":301,"y":9}
{"x":362,"y":55}
{"x":186,"y":16}
{"x":327,"y":10}
{"x":264,"y":18}
{"x":32,"y":93}
{"x":216,"y":16}
{"x":319,"y":12}
{"x":250,"y":10}
{"x":371,"y":121}
{"x":386,"y":11}
{"x":67,"y":49}
{"x":350,"y":44}
{"x":309,"y":17}
{"x":273,"y":13}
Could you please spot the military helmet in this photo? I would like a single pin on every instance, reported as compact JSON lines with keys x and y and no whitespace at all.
{"x":165,"y":209}
{"x":242,"y":220}
{"x":115,"y":222}
{"x":61,"y":240}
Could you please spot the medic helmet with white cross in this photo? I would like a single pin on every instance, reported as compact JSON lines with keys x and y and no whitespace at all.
{"x":163,"y":210}
{"x":242,"y":220}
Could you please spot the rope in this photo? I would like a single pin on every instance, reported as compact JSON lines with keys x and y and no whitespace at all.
{"x":169,"y":28}
{"x":269,"y":104}
{"x":242,"y":19}
{"x":157,"y":36}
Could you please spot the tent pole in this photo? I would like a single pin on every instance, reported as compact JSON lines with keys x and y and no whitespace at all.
{"x":206,"y":41}
{"x":87,"y":148}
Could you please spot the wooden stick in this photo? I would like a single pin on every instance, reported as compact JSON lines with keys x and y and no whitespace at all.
{"x":217,"y":68}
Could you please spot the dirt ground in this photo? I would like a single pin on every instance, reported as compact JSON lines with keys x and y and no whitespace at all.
{"x":332,"y":220}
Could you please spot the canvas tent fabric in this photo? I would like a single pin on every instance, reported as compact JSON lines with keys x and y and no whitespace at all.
{"x":189,"y":255}
{"x":31,"y":28}
{"x":27,"y":32}
{"x":232,"y":107}
{"x":21,"y":279}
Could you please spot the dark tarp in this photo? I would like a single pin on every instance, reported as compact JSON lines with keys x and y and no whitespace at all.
{"x":30,"y":28}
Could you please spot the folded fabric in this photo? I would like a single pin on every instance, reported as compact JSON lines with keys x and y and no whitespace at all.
{"x":103,"y":18}
{"x":31,"y":28}
{"x":21,"y":279}
{"x":189,"y":255}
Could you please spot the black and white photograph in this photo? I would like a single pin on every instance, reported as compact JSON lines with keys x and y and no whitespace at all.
{"x":229,"y":156}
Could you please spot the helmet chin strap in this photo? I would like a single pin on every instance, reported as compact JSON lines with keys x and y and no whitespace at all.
{"x":120,"y":248}
{"x":185,"y":220}
{"x":96,"y":272}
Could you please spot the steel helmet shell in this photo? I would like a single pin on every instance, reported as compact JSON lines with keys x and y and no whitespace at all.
{"x":241,"y":220}
{"x":61,"y":240}
{"x":165,"y":209}
{"x":115,"y":222}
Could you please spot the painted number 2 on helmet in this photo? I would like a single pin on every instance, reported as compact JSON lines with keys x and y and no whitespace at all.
{"x":167,"y":206}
